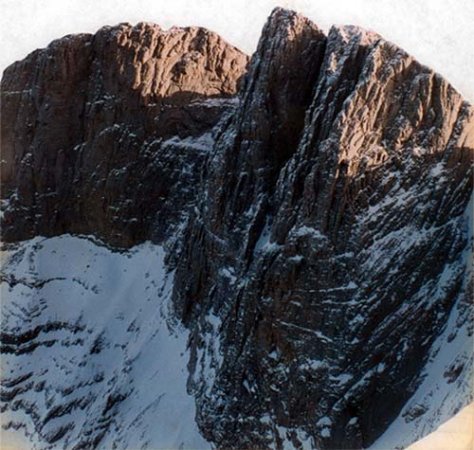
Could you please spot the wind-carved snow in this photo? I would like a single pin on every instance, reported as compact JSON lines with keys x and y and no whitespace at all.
{"x":89,"y":355}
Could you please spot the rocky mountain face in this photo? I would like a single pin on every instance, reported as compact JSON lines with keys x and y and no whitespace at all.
{"x":94,"y":127}
{"x":317,"y":222}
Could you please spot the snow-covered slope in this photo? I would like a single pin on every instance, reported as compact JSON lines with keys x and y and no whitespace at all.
{"x":97,"y":357}
{"x":456,"y":434}
{"x":89,"y":353}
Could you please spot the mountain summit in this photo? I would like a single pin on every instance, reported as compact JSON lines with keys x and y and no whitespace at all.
{"x":290,"y":236}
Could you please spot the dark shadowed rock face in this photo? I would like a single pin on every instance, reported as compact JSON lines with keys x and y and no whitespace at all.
{"x":331,"y":249}
{"x":326,"y":237}
{"x":94,"y":129}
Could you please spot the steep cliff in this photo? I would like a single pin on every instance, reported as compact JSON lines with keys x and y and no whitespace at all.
{"x":317,"y":224}
{"x":333,"y":258}
{"x":95,"y":128}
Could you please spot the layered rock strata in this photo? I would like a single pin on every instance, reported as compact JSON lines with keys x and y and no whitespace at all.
{"x":319,"y":220}
{"x":95,"y":128}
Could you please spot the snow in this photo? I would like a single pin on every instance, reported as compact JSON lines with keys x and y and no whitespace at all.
{"x":352,"y":32}
{"x":307,"y":231}
{"x":285,"y":434}
{"x":119,"y":302}
{"x":21,"y":92}
{"x":209,"y":357}
{"x":455,"y":434}
{"x":324,"y":421}
{"x":123,"y":345}
{"x":343,"y":378}
{"x":217,"y":102}
{"x":440,"y":395}
{"x":326,"y":432}
{"x":229,"y":273}
{"x":437,"y":169}
{"x":314,"y":364}
{"x":4,"y":204}
{"x":263,"y":243}
{"x":317,"y":333}
{"x":202,"y":143}
{"x":264,"y":238}
{"x":348,"y":286}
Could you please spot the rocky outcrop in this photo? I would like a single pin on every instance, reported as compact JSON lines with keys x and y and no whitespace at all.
{"x":320,"y":219}
{"x":87,"y":126}
{"x":332,"y":262}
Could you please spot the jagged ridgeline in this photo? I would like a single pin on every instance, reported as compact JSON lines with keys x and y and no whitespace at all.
{"x":312,"y":207}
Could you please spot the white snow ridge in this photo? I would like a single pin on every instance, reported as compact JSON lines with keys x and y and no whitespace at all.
{"x":89,"y":354}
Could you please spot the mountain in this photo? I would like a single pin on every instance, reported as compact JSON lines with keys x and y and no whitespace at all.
{"x":91,"y":116}
{"x":265,"y":253}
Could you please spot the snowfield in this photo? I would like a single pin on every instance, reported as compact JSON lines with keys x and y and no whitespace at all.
{"x":99,"y":358}
{"x":455,"y":434}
